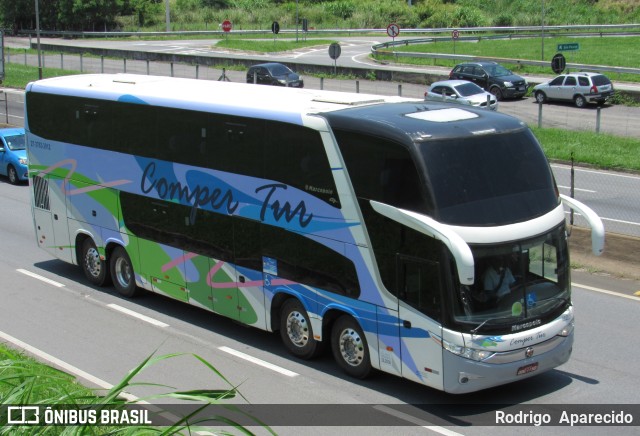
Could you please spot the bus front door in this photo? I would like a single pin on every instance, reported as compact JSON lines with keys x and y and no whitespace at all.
{"x":419,"y":312}
{"x":50,"y":216}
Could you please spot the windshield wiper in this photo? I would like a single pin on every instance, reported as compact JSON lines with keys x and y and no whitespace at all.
{"x":475,"y":330}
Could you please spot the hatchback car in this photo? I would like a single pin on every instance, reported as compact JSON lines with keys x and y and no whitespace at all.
{"x":580,"y":88}
{"x":274,"y":74}
{"x":462,"y":92}
{"x":491,"y":77}
{"x":13,"y":155}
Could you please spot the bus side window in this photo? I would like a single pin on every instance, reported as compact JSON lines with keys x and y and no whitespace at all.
{"x":295,"y":155}
{"x":236,"y":145}
{"x":383,"y":171}
{"x":419,"y":285}
{"x":183,"y":136}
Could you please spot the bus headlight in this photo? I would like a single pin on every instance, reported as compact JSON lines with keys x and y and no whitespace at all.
{"x":468,"y":353}
{"x":567,"y":330}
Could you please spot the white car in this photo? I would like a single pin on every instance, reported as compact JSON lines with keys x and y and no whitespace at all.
{"x":461,"y":92}
{"x":580,"y":88}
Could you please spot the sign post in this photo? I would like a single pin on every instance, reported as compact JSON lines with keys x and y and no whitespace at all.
{"x":2,"y":58}
{"x":275,"y":28}
{"x":572,"y":46}
{"x":226,"y":27}
{"x":393,"y":30}
{"x":334,"y":53}
{"x":455,"y":34}
{"x":558,"y":63}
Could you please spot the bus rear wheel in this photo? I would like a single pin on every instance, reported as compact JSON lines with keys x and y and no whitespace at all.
{"x":122,"y":275}
{"x":296,"y":331}
{"x":350,"y":348}
{"x":95,"y":268}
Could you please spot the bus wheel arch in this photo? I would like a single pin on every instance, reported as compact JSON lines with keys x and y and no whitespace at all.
{"x":94,"y":266}
{"x":122,"y":272}
{"x":296,"y":331}
{"x":350,"y":348}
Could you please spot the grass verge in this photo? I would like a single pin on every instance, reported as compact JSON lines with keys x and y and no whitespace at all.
{"x":25,"y":381}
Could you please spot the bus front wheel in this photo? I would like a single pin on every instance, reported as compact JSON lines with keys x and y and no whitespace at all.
{"x":350,"y":347}
{"x":296,"y":331}
{"x":93,"y":265}
{"x":122,"y":275}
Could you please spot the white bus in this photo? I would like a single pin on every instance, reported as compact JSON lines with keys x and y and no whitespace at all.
{"x":368,"y":224}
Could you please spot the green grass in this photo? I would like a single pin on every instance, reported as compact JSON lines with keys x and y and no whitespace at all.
{"x":612,"y":51}
{"x":269,"y":46}
{"x":17,"y":76}
{"x":23,"y":380}
{"x":600,"y":150}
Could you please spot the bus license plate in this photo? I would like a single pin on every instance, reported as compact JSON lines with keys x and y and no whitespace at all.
{"x":527,"y":369}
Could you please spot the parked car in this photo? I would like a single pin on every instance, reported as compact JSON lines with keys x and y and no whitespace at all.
{"x":462,"y":92}
{"x":274,"y":74}
{"x":491,"y":77}
{"x":581,"y":88}
{"x":13,"y":155}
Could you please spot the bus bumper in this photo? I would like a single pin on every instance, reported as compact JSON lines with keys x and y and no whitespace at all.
{"x":464,"y":375}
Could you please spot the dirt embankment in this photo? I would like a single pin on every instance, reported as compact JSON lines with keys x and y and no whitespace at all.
{"x":621,"y":257}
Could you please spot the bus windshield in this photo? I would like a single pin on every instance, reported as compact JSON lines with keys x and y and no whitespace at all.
{"x":524,"y":283}
{"x":489,"y":180}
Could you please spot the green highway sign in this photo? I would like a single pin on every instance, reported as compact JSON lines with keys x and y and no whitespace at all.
{"x":569,"y":47}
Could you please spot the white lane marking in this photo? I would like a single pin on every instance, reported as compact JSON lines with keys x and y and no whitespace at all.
{"x":577,"y":189}
{"x":606,"y":173}
{"x":260,"y":362}
{"x":70,"y":369}
{"x":416,"y":421}
{"x":55,"y":361}
{"x":137,"y":315}
{"x":567,"y":212}
{"x":604,"y":291}
{"x":41,"y":278}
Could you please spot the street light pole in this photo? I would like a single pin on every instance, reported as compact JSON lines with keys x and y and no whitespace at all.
{"x":542,"y":38}
{"x":38,"y":36}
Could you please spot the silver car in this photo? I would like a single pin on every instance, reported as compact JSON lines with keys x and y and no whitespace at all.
{"x":461,"y":92}
{"x":581,"y":88}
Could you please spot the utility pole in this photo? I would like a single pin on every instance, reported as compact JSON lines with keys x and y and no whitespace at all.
{"x":38,"y":36}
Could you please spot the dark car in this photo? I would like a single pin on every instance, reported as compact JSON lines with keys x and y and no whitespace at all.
{"x":274,"y":74}
{"x":492,"y":77}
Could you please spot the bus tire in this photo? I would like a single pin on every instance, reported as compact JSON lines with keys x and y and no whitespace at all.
{"x":94,"y":267}
{"x":350,"y":348}
{"x":122,"y":274}
{"x":296,"y":331}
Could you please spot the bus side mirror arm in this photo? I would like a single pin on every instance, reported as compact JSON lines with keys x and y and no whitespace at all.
{"x":423,"y":224}
{"x":597,"y":228}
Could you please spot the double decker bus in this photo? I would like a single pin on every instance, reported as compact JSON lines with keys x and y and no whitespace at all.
{"x":359,"y":223}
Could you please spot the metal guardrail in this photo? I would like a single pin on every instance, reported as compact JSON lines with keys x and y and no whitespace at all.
{"x":469,"y":58}
{"x":597,"y":28}
{"x":382,"y":48}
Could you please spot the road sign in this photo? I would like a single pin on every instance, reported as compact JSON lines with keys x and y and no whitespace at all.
{"x":393,"y":30}
{"x":275,"y":27}
{"x":226,"y":26}
{"x":335,"y":50}
{"x":455,"y":34}
{"x":558,"y":63}
{"x":569,"y":47}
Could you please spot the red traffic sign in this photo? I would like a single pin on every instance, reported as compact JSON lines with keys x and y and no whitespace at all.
{"x":455,"y":34}
{"x":226,"y":26}
{"x":393,"y":30}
